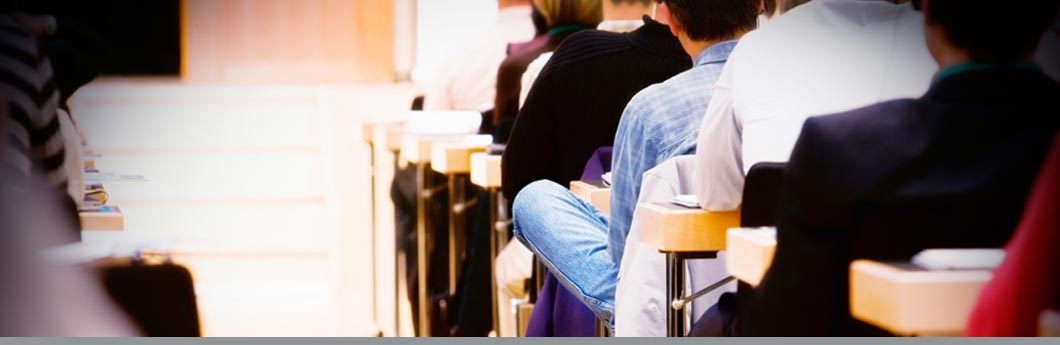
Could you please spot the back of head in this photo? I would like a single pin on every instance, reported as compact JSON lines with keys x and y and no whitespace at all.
{"x":787,"y":5}
{"x":587,"y":13}
{"x":715,"y":19}
{"x":992,"y":31}
{"x":631,"y":3}
{"x":641,"y":3}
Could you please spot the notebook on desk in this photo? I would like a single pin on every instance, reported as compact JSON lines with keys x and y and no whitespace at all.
{"x":958,"y":259}
{"x":687,"y":200}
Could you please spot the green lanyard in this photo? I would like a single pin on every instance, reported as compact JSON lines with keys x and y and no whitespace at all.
{"x":564,"y":28}
{"x":975,"y":66}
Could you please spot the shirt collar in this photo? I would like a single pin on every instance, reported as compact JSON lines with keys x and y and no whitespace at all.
{"x":715,"y":53}
{"x":620,"y":25}
{"x":973,"y":66}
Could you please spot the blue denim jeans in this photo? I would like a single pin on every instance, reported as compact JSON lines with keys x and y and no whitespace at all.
{"x":569,"y":236}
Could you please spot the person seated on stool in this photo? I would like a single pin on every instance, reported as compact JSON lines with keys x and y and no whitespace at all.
{"x":951,"y":169}
{"x":515,"y":262}
{"x":581,"y":246}
{"x":759,"y":104}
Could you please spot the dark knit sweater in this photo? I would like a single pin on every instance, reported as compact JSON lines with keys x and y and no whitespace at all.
{"x":575,"y":105}
{"x":509,"y":83}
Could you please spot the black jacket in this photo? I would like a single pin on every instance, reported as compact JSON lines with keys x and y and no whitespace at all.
{"x":575,"y":105}
{"x":949,"y":170}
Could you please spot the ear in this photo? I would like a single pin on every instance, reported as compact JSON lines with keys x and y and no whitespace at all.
{"x":663,"y":11}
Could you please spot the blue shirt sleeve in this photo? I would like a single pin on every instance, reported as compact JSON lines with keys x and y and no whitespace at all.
{"x":634,"y":153}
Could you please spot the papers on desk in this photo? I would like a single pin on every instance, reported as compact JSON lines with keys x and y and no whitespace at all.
{"x":443,"y":122}
{"x":96,"y":177}
{"x":479,"y":140}
{"x":102,"y":210}
{"x":959,"y":259}
{"x":688,"y":200}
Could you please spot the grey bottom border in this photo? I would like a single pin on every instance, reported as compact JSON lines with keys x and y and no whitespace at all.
{"x":465,"y":341}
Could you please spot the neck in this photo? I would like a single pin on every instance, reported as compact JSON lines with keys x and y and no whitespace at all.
{"x":694,"y":48}
{"x":623,"y":11}
{"x":951,"y":57}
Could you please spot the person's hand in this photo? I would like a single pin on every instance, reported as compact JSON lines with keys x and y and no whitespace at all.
{"x":36,"y":26}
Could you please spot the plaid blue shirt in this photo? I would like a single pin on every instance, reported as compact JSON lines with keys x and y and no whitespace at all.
{"x":660,"y":122}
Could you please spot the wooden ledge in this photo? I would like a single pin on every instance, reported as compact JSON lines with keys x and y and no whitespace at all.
{"x":1049,"y":324}
{"x":109,"y":218}
{"x":454,"y":157}
{"x":389,"y":135}
{"x":908,"y":300}
{"x":368,"y":128}
{"x":750,"y":253}
{"x":416,"y":148}
{"x":594,"y":192}
{"x":673,"y":228}
{"x":486,"y":170}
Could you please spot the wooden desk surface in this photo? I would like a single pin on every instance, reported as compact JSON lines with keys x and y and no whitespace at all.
{"x":908,"y":300}
{"x":454,"y":157}
{"x":368,"y":129}
{"x":1049,"y":324}
{"x":416,"y":148}
{"x":673,"y":228}
{"x":389,"y":135}
{"x":750,"y":253}
{"x":110,"y":218}
{"x":594,"y":192}
{"x":486,"y":170}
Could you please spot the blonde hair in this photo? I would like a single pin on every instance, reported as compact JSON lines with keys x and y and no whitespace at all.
{"x":587,"y":13}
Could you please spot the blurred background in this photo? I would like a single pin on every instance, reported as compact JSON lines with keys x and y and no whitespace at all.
{"x":244,"y":116}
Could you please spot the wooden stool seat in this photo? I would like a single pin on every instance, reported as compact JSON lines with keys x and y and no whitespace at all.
{"x":486,"y":170}
{"x":682,"y":233}
{"x":368,"y":129}
{"x":390,"y":135}
{"x":750,"y":253}
{"x":594,"y":192}
{"x":455,"y":157}
{"x":108,"y":218}
{"x":672,"y":228}
{"x":908,"y":300}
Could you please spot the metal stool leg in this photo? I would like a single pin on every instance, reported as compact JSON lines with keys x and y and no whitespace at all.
{"x":675,"y":284}
{"x":678,"y":319}
{"x":454,"y":199}
{"x":422,"y":233}
{"x":494,"y":248}
{"x":398,"y":263}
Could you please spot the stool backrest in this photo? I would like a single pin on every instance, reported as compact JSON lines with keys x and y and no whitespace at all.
{"x":761,"y":195}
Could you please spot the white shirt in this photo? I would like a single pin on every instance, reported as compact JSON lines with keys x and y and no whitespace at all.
{"x":530,"y":75}
{"x":469,"y":80}
{"x":820,"y":58}
{"x":620,"y":25}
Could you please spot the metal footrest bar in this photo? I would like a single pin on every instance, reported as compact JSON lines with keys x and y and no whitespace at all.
{"x":680,"y":303}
